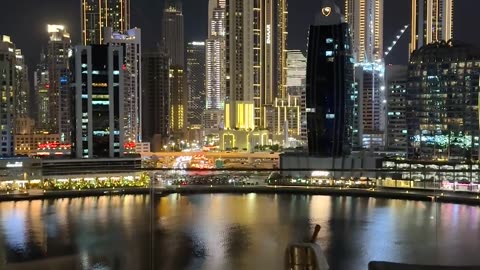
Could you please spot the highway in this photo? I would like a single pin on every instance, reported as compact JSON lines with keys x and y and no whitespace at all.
{"x":216,"y":155}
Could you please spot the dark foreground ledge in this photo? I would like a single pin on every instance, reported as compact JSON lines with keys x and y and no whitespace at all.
{"x":398,"y":266}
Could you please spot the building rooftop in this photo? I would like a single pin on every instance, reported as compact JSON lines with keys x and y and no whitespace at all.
{"x":444,"y":50}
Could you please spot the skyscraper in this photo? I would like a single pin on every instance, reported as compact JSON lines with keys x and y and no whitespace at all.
{"x":155,"y":98}
{"x":178,"y":102}
{"x":173,"y":32}
{"x":97,"y":84}
{"x":8,"y":86}
{"x":431,"y":21}
{"x":296,"y":80}
{"x":366,"y":23}
{"x":397,"y":81}
{"x":216,"y":18}
{"x":281,"y":35}
{"x":58,"y":47}
{"x":215,"y":65}
{"x":98,"y":14}
{"x":329,"y":84}
{"x":369,"y":128}
{"x":22,"y":96}
{"x":41,"y":85}
{"x":365,"y":18}
{"x":131,"y":41}
{"x":195,"y":83}
{"x":173,"y":42}
{"x":255,"y":41}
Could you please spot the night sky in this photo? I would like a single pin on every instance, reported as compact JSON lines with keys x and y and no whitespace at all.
{"x":25,"y":21}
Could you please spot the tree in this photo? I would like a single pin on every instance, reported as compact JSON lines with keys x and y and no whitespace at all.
{"x":275,"y":147}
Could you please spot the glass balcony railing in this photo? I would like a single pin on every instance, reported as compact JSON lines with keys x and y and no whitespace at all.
{"x":237,"y":218}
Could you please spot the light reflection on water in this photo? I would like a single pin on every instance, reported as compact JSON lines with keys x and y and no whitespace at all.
{"x":217,"y":231}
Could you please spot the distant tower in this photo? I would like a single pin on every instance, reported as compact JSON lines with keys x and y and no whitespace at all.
{"x":296,"y":76}
{"x":431,"y":21}
{"x":365,"y":18}
{"x":173,"y":41}
{"x":173,"y":32}
{"x":99,"y":14}
{"x":59,"y":44}
{"x":155,"y":98}
{"x":41,"y":85}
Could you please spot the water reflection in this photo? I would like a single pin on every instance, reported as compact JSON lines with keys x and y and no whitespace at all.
{"x":220,"y":231}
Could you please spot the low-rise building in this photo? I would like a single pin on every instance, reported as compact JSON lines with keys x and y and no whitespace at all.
{"x":28,"y":144}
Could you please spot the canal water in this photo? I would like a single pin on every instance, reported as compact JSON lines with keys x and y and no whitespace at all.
{"x":222,"y":231}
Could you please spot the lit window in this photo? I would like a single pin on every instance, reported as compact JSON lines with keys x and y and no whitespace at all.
{"x":329,"y":53}
{"x":330,"y":116}
{"x":329,"y":40}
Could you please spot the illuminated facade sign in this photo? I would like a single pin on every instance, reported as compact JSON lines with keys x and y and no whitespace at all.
{"x":16,"y":164}
{"x":269,"y":34}
{"x":326,"y":11}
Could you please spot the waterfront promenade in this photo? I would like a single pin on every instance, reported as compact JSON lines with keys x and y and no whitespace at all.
{"x":382,"y":192}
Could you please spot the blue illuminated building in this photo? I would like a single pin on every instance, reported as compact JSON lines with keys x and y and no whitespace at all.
{"x":330,"y":85}
{"x":98,"y":103}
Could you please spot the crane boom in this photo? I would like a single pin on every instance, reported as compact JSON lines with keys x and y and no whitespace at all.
{"x":397,"y":38}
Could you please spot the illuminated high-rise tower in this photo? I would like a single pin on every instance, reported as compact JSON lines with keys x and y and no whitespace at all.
{"x":195,"y":83}
{"x":255,"y":60}
{"x":432,"y":20}
{"x":22,"y":98}
{"x":59,"y":44}
{"x":105,"y":13}
{"x":8,"y":84}
{"x":365,"y":18}
{"x":215,"y":65}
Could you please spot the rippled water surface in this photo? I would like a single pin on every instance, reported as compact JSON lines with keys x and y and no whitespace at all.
{"x":231,"y":232}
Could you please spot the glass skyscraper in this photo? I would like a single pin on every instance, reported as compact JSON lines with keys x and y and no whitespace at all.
{"x":329,"y":84}
{"x":443,"y":102}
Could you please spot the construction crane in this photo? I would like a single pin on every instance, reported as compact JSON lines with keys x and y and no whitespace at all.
{"x":397,"y":38}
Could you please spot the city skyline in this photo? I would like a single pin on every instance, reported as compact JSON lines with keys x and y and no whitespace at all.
{"x":258,"y":110}
{"x":145,"y":16}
